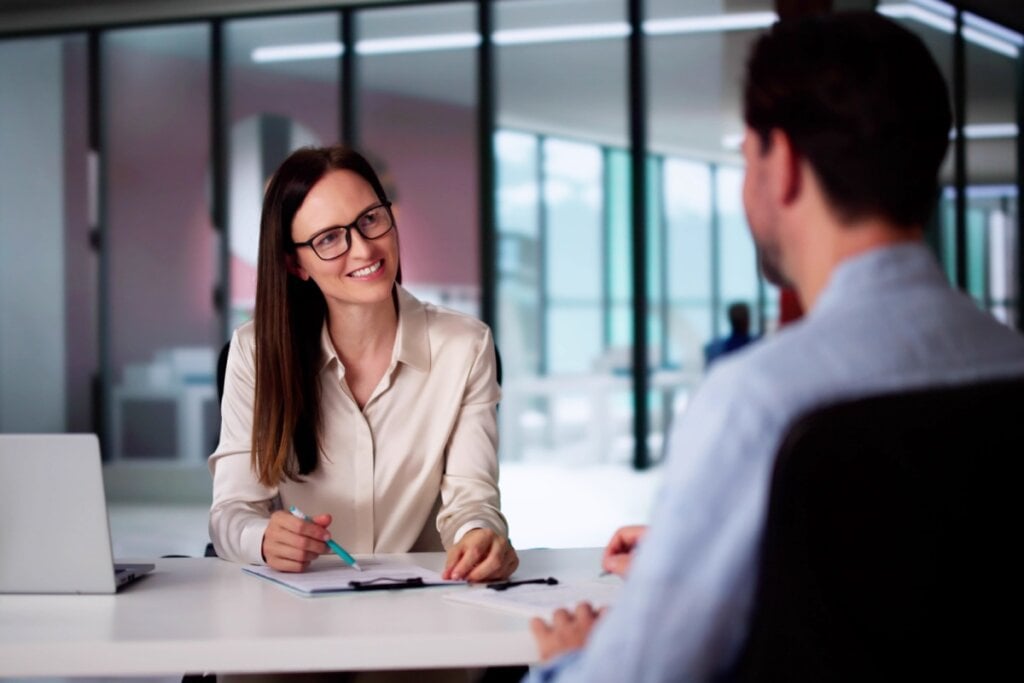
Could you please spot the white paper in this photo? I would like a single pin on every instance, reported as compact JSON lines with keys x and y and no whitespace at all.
{"x":539,"y":600}
{"x":333,"y":578}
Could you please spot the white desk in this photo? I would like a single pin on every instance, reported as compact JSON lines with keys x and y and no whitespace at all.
{"x":199,"y":614}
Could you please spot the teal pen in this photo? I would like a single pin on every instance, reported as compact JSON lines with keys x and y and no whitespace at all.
{"x":338,"y":550}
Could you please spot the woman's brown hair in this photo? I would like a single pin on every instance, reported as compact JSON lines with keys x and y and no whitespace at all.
{"x":289,"y":316}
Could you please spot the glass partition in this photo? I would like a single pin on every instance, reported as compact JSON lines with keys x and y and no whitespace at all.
{"x":162,"y":251}
{"x":282,"y":80}
{"x":417,"y":123}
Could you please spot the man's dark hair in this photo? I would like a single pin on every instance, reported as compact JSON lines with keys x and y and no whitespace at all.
{"x":739,"y":317}
{"x":863,"y":101}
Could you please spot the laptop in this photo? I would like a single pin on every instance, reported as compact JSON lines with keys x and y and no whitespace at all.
{"x":54,"y":531}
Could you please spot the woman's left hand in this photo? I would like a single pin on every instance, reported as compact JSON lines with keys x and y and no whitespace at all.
{"x":481,"y":555}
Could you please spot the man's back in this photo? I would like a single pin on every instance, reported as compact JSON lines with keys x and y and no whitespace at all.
{"x":887,"y":321}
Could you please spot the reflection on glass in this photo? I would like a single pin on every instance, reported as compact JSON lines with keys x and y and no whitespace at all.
{"x":274,"y":107}
{"x":417,"y":124}
{"x":162,"y":266}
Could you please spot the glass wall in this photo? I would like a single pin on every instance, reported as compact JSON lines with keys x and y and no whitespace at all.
{"x":417,"y":116}
{"x":48,"y":358}
{"x":161,"y":259}
{"x":564,"y":400}
{"x":282,"y":79}
{"x":124,"y":308}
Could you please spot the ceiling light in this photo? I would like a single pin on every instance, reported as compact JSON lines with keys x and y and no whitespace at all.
{"x":428,"y":43}
{"x":558,"y":34}
{"x":987,"y":131}
{"x":725,"y":22}
{"x":287,"y":53}
{"x":941,"y":16}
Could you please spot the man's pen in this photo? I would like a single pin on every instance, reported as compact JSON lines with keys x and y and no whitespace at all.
{"x":338,"y":550}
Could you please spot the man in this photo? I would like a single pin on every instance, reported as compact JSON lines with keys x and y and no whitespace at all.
{"x":739,"y":334}
{"x":847,"y":123}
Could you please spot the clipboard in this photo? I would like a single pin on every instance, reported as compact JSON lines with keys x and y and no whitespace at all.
{"x":323,"y":578}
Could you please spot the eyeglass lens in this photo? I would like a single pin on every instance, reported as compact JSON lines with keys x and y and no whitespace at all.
{"x":372,"y":224}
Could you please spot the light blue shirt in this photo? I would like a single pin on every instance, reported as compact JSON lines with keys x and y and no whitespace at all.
{"x":886,"y":321}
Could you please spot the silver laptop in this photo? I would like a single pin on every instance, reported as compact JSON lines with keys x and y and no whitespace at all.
{"x":54,"y":531}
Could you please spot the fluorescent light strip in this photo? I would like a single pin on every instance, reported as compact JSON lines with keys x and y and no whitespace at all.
{"x":923,"y":16}
{"x":987,"y":131}
{"x":929,"y":14}
{"x":975,"y":36}
{"x":992,"y":29}
{"x":725,"y":22}
{"x":427,"y":43}
{"x":558,"y":34}
{"x":288,"y":53}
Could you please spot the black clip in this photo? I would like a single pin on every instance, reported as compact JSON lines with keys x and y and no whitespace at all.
{"x":505,"y":585}
{"x":384,"y":583}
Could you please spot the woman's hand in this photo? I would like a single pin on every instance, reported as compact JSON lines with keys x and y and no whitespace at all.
{"x":290,"y":543}
{"x":481,"y":555}
{"x":619,"y":552}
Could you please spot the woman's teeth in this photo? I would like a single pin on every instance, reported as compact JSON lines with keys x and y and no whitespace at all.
{"x":368,"y":270}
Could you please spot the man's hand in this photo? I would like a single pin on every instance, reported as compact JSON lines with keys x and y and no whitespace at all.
{"x":567,"y":631}
{"x":481,"y":555}
{"x":290,"y":543}
{"x":618,"y":554}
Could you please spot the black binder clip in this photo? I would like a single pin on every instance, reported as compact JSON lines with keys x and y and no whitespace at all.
{"x":384,"y":583}
{"x":505,"y":585}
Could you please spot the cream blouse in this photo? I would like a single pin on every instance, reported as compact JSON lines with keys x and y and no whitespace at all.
{"x":416,"y":466}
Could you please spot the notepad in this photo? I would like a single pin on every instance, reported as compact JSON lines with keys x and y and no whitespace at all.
{"x":334,"y":578}
{"x":538,"y":600}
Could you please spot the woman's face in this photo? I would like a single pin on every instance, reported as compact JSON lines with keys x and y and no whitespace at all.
{"x":366,"y":272}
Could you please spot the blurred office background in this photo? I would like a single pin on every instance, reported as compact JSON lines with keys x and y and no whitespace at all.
{"x":568,"y":170}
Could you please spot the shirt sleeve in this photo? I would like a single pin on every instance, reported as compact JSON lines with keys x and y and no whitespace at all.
{"x":241,"y":505}
{"x":684,"y":608}
{"x":469,"y":485}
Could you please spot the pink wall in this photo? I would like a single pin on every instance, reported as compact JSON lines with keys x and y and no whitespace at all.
{"x":163,"y":249}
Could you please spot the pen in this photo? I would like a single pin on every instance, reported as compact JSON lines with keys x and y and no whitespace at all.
{"x":338,"y":550}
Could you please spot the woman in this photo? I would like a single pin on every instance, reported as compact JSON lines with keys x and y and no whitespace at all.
{"x":349,"y":398}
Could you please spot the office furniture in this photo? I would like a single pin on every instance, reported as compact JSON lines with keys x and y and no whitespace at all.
{"x":887,"y":554}
{"x":205,"y":614}
{"x":176,"y":391}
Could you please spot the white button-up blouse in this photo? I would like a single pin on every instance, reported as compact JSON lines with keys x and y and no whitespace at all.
{"x":417,"y":465}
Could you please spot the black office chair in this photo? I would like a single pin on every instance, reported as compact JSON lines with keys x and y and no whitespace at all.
{"x":890,"y":532}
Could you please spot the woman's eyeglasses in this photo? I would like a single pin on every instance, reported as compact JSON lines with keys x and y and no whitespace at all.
{"x":333,"y":242}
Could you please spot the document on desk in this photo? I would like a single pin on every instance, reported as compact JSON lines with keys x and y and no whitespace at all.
{"x":534,"y":600}
{"x":332,"y":577}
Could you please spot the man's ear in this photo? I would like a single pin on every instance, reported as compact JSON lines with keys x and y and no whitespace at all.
{"x":787,"y":167}
{"x":292,"y":264}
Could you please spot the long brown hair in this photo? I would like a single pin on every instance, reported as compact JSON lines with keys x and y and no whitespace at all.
{"x":289,"y":316}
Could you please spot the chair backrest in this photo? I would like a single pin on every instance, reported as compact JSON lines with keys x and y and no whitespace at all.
{"x":222,"y":369}
{"x":890,"y":531}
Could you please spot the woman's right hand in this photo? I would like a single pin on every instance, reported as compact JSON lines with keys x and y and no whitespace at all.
{"x":618,"y":554}
{"x":290,"y":543}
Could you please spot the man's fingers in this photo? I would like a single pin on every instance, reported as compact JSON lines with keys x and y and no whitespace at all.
{"x":539,"y":627}
{"x":561,"y":619}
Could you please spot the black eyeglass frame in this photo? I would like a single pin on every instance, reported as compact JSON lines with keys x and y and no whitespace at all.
{"x":354,"y":225}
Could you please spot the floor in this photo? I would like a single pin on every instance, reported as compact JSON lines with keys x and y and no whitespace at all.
{"x":546,"y":505}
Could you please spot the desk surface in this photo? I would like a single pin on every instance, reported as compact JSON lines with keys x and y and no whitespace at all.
{"x":200,"y":614}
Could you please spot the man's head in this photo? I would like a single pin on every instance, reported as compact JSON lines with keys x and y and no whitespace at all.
{"x":739,"y":318}
{"x":863,"y":101}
